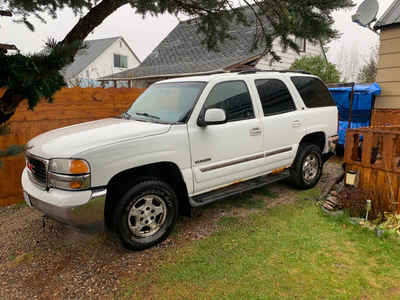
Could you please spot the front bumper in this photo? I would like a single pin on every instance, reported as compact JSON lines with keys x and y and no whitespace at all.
{"x":80,"y":210}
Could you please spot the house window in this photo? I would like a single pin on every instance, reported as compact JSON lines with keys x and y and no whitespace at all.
{"x":301,"y":43}
{"x":120,"y":44}
{"x":87,"y":74}
{"x":120,"y":61}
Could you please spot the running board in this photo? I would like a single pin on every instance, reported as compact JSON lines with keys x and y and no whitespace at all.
{"x":237,"y":188}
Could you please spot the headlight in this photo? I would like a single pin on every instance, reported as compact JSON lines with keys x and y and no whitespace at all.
{"x":69,"y":174}
{"x":69,"y":166}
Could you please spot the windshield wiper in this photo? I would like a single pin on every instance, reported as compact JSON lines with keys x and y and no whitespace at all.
{"x":125,"y":115}
{"x":147,"y":115}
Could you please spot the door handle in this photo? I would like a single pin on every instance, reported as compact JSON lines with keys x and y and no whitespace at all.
{"x":255,"y":131}
{"x":296,"y":123}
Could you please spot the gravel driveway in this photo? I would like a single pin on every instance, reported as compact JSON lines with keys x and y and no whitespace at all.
{"x":42,"y":259}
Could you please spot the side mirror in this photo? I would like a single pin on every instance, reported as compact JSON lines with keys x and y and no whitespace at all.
{"x":213,"y":116}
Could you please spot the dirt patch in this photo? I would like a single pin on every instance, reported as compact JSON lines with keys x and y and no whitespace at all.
{"x":42,"y":259}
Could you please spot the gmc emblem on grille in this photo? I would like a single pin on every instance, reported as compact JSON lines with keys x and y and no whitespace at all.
{"x":30,"y":167}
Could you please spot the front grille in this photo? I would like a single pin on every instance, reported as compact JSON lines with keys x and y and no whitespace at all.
{"x":37,"y":169}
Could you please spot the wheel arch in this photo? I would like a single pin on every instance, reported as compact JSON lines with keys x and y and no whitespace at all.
{"x":167,"y":172}
{"x":316,"y":138}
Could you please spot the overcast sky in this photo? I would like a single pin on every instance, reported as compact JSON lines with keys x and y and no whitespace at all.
{"x":355,"y":35}
{"x":143,"y":35}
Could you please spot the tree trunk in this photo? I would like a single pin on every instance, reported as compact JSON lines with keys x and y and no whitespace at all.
{"x":8,"y":104}
{"x":91,"y":20}
{"x":12,"y":98}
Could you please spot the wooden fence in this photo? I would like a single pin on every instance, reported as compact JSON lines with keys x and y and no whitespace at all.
{"x":381,"y":117}
{"x":70,"y":106}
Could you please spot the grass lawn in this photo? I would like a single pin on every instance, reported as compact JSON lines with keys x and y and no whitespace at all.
{"x":286,"y":252}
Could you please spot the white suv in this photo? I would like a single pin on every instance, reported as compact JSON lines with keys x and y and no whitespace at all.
{"x":183,"y":143}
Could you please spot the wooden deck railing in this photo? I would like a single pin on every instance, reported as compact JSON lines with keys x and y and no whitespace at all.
{"x":375,"y":152}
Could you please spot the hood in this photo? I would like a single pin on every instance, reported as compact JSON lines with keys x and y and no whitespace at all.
{"x":69,"y":141}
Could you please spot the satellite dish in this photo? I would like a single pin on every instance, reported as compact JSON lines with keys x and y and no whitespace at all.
{"x":366,"y":13}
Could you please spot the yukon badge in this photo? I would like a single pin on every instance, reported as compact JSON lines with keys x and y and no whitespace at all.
{"x":202,"y":161}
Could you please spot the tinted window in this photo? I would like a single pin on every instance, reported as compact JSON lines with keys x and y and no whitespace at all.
{"x":275,"y":96}
{"x":233,"y":97}
{"x":313,"y":91}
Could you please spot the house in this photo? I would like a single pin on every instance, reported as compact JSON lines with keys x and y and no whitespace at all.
{"x":388,"y":74}
{"x":100,"y":58}
{"x":182,"y":53}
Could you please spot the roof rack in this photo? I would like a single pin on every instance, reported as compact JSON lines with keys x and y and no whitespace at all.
{"x":255,"y":70}
{"x":240,"y":70}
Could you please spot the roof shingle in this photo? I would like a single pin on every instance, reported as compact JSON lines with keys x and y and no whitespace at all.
{"x":86,"y":56}
{"x":182,"y":52}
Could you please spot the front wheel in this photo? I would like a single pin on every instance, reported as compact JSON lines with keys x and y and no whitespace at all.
{"x":307,"y":167}
{"x":145,"y":215}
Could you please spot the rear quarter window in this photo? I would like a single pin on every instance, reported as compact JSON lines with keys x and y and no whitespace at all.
{"x":313,"y":92}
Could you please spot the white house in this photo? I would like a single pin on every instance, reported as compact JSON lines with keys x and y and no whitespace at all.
{"x":100,"y":58}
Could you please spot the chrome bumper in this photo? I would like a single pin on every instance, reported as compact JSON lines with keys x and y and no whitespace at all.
{"x":80,"y":210}
{"x":87,"y":218}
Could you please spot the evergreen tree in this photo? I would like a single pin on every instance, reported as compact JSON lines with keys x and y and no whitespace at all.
{"x":318,"y":66}
{"x":12,"y":150}
{"x":36,"y":77}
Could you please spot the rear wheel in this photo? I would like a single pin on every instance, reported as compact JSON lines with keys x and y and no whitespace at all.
{"x":145,"y":215}
{"x":307,"y":167}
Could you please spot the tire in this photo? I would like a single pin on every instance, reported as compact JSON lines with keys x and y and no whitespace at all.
{"x":144,"y":216}
{"x":307,"y":167}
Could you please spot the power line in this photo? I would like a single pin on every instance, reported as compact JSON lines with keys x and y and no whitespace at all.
{"x":139,"y":42}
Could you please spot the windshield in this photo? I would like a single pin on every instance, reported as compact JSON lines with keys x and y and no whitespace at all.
{"x":166,"y":102}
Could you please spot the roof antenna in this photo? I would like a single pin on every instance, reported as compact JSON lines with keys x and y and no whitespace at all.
{"x":366,"y":14}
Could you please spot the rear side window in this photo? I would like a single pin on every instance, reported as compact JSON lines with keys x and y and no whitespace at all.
{"x":275,"y":97}
{"x":234,"y":98}
{"x":313,"y":92}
